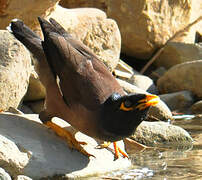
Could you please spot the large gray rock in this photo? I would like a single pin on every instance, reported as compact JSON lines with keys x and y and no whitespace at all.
{"x":185,"y":76}
{"x":29,"y":148}
{"x":15,"y":69}
{"x":181,"y":100}
{"x":162,"y":134}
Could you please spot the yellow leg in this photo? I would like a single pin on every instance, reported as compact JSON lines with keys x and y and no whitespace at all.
{"x":117,"y":149}
{"x":68,"y":137}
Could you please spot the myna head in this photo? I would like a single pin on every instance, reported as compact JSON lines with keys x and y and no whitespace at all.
{"x":121,"y":115}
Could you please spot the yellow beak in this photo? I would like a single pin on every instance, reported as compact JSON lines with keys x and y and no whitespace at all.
{"x":150,"y":100}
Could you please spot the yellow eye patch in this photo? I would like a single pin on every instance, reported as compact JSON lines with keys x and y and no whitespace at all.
{"x":124,"y":108}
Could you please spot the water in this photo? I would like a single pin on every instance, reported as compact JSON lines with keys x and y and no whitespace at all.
{"x":167,"y":164}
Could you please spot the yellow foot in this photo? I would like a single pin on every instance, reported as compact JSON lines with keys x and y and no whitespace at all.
{"x":117,"y":149}
{"x":68,"y":137}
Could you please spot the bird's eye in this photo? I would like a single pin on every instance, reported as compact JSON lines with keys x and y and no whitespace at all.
{"x":127,"y":103}
{"x":126,"y":106}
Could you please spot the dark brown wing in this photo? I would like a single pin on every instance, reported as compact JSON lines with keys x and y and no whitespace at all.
{"x":84,"y":79}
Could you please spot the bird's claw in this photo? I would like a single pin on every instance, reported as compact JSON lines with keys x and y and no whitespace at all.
{"x":69,"y":138}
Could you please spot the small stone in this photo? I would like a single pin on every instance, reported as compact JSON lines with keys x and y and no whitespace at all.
{"x":197,"y":107}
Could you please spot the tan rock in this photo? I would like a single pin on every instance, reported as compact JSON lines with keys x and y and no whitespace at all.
{"x":28,"y":11}
{"x":147,"y":24}
{"x":36,"y":90}
{"x":185,"y":76}
{"x":15,"y":69}
{"x":94,"y":29}
{"x":100,"y":4}
{"x":178,"y":52}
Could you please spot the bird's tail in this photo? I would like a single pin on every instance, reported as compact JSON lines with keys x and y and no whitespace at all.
{"x":30,"y":39}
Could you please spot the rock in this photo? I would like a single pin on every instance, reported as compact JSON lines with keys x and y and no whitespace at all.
{"x":36,"y":106}
{"x":4,"y":175}
{"x":144,"y":82}
{"x":185,"y":76}
{"x":35,"y":151}
{"x":28,"y":11}
{"x":12,"y":157}
{"x":181,"y":100}
{"x":158,"y":112}
{"x":22,"y":177}
{"x":15,"y":69}
{"x":161,"y":134}
{"x":100,"y":4}
{"x":145,"y":25}
{"x":124,"y":72}
{"x":177,"y":53}
{"x":94,"y":29}
{"x":198,"y":37}
{"x":156,"y":74}
{"x":197,"y":107}
{"x":129,"y":88}
{"x":36,"y":90}
{"x":25,"y":109}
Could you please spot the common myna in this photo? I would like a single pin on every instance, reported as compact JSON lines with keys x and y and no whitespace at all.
{"x":80,"y":89}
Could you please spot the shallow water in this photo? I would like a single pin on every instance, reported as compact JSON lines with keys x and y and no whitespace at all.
{"x":167,"y":164}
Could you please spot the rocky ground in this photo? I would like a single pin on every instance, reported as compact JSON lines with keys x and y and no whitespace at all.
{"x":136,"y":29}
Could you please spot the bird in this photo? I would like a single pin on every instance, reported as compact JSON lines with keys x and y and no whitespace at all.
{"x":80,"y":89}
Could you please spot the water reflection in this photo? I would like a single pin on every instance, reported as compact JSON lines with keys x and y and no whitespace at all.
{"x":167,"y":164}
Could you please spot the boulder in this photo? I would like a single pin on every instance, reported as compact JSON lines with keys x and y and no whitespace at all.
{"x":161,"y":134}
{"x":94,"y":29}
{"x":28,"y":11}
{"x":179,"y":52}
{"x":185,"y":76}
{"x":181,"y":100}
{"x":31,"y":149}
{"x":15,"y":69}
{"x":146,"y":25}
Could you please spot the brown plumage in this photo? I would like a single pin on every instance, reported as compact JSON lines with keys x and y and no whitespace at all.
{"x":79,"y":87}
